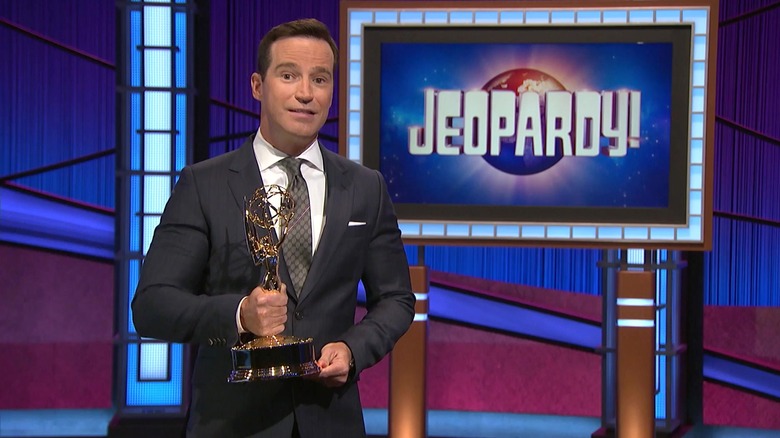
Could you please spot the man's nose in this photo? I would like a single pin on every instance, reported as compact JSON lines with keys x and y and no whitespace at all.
{"x":304,"y":92}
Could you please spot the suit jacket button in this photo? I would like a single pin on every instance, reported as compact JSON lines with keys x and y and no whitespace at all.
{"x":298,"y":315}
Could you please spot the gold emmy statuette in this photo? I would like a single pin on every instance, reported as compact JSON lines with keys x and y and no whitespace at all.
{"x":267,"y":218}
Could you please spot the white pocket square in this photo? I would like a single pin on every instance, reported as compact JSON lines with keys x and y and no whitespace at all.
{"x":355,"y":224}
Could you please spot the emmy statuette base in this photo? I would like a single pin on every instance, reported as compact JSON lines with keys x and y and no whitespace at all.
{"x":273,"y":357}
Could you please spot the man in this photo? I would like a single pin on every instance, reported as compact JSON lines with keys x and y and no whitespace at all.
{"x":199,"y":284}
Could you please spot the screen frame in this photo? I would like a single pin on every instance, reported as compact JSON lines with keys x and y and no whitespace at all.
{"x":542,"y":226}
{"x":675,"y":213}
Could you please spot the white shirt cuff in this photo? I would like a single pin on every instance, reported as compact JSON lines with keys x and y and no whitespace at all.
{"x":238,"y":317}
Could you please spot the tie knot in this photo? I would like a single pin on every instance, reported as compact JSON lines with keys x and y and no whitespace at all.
{"x":292,"y":166}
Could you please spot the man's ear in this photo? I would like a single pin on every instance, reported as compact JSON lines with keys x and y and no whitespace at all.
{"x":257,"y":86}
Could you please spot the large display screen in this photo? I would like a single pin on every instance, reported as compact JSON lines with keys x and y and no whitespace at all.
{"x":569,"y":126}
{"x":546,"y":123}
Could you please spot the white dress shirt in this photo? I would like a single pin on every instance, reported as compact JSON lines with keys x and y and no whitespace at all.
{"x":313,"y":172}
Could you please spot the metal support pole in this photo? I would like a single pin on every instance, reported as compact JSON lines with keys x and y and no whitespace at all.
{"x":635,"y":354}
{"x":407,"y":407}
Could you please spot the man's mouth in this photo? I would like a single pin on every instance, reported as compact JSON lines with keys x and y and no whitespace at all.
{"x":303,"y":111}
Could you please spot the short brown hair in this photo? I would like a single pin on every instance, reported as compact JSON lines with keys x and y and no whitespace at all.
{"x":307,"y":27}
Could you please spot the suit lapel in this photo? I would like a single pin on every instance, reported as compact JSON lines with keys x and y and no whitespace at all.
{"x":337,"y":213}
{"x":243,"y":179}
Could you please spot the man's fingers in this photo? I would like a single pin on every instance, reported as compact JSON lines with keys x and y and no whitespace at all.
{"x":275,"y":330}
{"x":264,"y":313}
{"x":326,"y":357}
{"x":334,"y":359}
{"x":273,"y":297}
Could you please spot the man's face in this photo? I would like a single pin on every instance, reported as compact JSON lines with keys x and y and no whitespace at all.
{"x":296,"y":93}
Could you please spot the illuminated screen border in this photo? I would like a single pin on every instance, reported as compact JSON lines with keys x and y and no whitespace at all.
{"x":678,"y":35}
{"x":692,"y":235}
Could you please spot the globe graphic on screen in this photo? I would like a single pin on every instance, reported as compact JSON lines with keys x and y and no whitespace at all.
{"x":521,"y":80}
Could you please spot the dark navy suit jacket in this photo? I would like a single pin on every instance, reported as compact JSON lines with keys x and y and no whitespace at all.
{"x":198,"y":268}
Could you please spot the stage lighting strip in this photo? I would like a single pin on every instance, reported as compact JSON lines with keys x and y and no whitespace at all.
{"x":158,"y":109}
{"x":418,"y":316}
{"x":665,"y":348}
{"x":635,"y":257}
{"x":635,"y":302}
{"x":697,"y":17}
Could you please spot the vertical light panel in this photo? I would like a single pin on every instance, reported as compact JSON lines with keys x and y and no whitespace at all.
{"x":154,"y":80}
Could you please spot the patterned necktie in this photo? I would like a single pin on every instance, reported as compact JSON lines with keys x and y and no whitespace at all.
{"x":296,"y":247}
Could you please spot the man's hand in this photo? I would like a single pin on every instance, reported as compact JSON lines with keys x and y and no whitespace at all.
{"x":334,"y":364}
{"x":264,"y":312}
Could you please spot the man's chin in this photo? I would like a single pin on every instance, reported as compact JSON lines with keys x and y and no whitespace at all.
{"x":300,"y":138}
{"x":305,"y":131}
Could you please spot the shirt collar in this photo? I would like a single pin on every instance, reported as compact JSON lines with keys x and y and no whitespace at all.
{"x":268,"y":156}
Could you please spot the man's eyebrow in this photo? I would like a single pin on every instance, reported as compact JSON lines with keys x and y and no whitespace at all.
{"x":284,"y":65}
{"x":294,"y":66}
{"x":322,"y":70}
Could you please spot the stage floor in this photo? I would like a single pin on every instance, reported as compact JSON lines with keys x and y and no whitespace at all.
{"x":441,"y":424}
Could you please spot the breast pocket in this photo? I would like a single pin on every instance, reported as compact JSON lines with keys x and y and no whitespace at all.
{"x":356,"y":229}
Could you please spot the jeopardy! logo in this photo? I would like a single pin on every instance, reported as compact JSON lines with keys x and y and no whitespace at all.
{"x":524,"y":121}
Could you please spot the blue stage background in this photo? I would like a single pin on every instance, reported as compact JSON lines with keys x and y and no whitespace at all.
{"x":57,"y":135}
{"x":58,"y":104}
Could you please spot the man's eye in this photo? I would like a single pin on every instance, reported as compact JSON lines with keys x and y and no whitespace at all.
{"x":287,"y":76}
